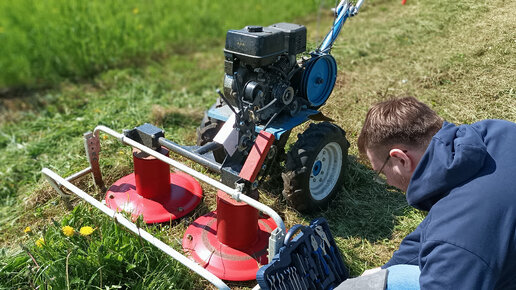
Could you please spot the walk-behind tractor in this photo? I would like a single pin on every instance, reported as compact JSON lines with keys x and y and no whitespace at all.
{"x":271,"y":85}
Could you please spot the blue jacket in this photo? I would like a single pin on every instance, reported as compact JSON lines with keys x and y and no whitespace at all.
{"x":466,"y":180}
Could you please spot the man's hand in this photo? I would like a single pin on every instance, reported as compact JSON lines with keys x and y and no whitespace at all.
{"x":371,"y":271}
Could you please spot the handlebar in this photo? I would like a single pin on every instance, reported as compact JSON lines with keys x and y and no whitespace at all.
{"x":342,"y":12}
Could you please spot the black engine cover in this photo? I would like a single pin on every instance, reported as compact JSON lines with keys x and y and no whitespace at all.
{"x":259,"y":46}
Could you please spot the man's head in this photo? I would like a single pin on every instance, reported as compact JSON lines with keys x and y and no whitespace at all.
{"x":395,"y":136}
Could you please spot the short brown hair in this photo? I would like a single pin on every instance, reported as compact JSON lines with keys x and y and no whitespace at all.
{"x":398,"y":121}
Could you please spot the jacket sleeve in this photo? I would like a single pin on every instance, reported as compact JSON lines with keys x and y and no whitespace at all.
{"x":447,"y":266}
{"x":408,"y":251}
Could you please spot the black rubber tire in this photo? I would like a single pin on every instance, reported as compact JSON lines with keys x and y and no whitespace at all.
{"x":300,"y":166}
{"x":207,"y":130}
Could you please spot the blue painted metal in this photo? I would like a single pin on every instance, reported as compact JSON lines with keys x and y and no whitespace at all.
{"x":319,"y":79}
{"x":286,"y":122}
{"x":317,"y":167}
{"x":343,"y":12}
{"x":221,"y":113}
{"x":277,"y":127}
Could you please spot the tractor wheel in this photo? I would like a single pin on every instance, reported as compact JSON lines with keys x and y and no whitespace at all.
{"x":315,"y":167}
{"x":208,"y":129}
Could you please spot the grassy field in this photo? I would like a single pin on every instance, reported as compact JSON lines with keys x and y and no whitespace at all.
{"x":458,"y":57}
{"x":45,"y":41}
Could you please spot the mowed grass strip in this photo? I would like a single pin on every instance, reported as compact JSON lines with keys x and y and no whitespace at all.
{"x":457,"y":57}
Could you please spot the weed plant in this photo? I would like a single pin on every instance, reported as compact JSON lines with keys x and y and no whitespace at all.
{"x":87,"y":250}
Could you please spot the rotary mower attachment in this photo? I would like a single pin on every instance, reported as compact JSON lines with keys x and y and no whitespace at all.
{"x":229,"y":244}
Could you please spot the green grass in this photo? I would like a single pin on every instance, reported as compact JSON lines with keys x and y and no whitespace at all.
{"x":44,"y":41}
{"x":109,"y":258}
{"x":456,"y":56}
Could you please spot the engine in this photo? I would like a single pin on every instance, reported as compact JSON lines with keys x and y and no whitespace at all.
{"x":262,"y":76}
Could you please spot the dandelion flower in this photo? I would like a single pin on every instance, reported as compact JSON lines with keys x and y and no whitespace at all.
{"x":136,"y":11}
{"x":27,"y":230}
{"x":68,"y":231}
{"x":86,"y":231}
{"x":40,"y":242}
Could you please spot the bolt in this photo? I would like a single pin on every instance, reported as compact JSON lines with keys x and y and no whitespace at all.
{"x":315,"y":180}
{"x":111,"y":196}
{"x":322,"y":172}
{"x":189,"y":237}
{"x":180,"y":209}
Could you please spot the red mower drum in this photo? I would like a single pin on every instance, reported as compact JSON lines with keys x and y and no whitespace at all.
{"x":153,"y":191}
{"x":231,"y":242}
{"x":237,"y":225}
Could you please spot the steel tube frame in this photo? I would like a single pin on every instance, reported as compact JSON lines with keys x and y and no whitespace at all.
{"x":56,"y":180}
{"x":79,"y":174}
{"x":236,"y":194}
{"x":190,"y":155}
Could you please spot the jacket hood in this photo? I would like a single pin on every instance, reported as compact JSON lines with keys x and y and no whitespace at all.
{"x":455,"y":155}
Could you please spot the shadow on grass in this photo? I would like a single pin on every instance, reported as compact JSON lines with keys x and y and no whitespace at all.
{"x":364,"y":208}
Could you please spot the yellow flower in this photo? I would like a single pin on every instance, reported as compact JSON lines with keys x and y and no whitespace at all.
{"x":68,"y":231}
{"x":27,"y":230}
{"x":40,"y":242}
{"x":136,"y":11}
{"x":86,"y":231}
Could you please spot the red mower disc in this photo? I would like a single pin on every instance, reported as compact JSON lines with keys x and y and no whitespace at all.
{"x":153,"y":191}
{"x":203,"y":242}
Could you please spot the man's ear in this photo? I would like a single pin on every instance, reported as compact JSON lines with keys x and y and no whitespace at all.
{"x":401,"y":160}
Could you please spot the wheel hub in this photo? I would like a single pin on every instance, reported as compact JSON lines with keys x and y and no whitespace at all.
{"x":317,"y":168}
{"x":325,"y":170}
